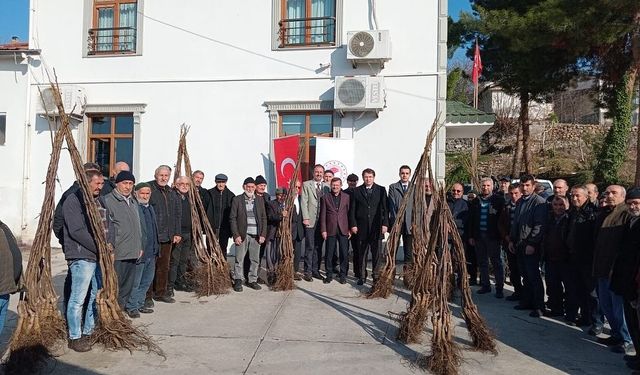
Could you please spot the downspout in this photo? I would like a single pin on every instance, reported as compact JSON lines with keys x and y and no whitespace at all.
{"x":26,"y":158}
{"x":441,"y":91}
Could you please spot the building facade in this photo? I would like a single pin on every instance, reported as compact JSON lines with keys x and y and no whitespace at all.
{"x":239,"y":73}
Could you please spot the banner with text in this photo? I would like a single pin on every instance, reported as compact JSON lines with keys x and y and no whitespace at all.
{"x":336,"y":155}
{"x":285,"y":157}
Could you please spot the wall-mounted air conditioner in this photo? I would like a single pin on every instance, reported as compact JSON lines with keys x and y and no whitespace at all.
{"x":372,"y":46}
{"x":359,"y":93}
{"x":74,"y":100}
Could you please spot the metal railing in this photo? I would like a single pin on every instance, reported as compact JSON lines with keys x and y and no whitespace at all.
{"x":112,"y":40}
{"x":310,"y":31}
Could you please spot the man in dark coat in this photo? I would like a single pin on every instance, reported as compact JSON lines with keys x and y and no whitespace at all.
{"x":397,"y":192}
{"x":369,"y":219}
{"x":276,"y":212}
{"x":221,"y":198}
{"x":334,"y":226}
{"x":460,"y":211}
{"x":10,"y":270}
{"x":504,"y":226}
{"x":556,"y":255}
{"x":580,"y":239}
{"x":182,"y":254}
{"x":526,"y":240}
{"x":625,"y":269}
{"x":352,"y":183}
{"x":198,"y":177}
{"x":297,"y":233}
{"x":166,"y":204}
{"x":484,"y":236}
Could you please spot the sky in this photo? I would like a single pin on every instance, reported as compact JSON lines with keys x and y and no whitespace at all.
{"x":455,"y":7}
{"x":14,"y":20}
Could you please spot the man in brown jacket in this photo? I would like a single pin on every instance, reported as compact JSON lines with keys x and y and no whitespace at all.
{"x":248,"y":221}
{"x":334,"y":226}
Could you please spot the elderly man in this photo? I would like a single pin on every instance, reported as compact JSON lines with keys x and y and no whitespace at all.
{"x":460,"y":211}
{"x":10,"y":270}
{"x":369,"y":219}
{"x":397,"y":191}
{"x":146,"y":264}
{"x":334,"y":226}
{"x":166,"y":205}
{"x":182,"y":252}
{"x":484,"y":236}
{"x":525,"y":240}
{"x":312,"y":192}
{"x":592,"y":191}
{"x":625,"y":270}
{"x":611,"y":224}
{"x":249,"y":230}
{"x":205,"y":197}
{"x":560,"y":188}
{"x":221,"y":198}
{"x":126,"y":236}
{"x":556,"y":255}
{"x":581,"y":287}
{"x":81,"y":254}
{"x":110,"y":184}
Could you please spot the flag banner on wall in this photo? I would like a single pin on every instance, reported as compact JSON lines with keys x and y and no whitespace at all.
{"x":285,"y":156}
{"x":336,"y":155}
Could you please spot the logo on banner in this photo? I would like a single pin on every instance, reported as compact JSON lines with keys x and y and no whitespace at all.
{"x":338,"y":168}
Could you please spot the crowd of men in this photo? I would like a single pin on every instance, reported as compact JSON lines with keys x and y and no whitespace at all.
{"x":584,"y":246}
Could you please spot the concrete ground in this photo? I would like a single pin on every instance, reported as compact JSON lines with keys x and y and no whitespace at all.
{"x":320,"y":329}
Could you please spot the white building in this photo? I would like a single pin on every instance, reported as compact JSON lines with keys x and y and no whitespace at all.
{"x":223,"y":68}
{"x":493,"y":99}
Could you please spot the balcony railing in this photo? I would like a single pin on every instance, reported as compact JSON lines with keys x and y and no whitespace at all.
{"x":313,"y":31}
{"x":113,"y":40}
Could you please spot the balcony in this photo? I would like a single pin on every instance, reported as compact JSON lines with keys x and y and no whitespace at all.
{"x":111,"y":41}
{"x":303,"y":32}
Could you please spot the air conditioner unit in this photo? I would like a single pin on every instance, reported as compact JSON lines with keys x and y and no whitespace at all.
{"x":372,"y":46}
{"x":359,"y":93}
{"x":73,"y":100}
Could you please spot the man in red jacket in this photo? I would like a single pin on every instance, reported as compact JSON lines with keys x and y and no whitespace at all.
{"x":334,"y":226}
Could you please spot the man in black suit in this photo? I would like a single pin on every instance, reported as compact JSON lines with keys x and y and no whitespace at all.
{"x":369,"y":219}
{"x":334,"y":226}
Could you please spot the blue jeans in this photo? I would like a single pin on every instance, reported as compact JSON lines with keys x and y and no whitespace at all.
{"x":613,"y":307}
{"x":4,"y":306}
{"x":143,"y":278}
{"x":83,"y":273}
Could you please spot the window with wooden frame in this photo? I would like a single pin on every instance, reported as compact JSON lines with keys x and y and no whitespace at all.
{"x":308,"y":125}
{"x":110,"y":140}
{"x":114,"y":28}
{"x":306,"y":23}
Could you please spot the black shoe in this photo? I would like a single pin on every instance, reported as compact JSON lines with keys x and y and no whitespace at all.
{"x":260,"y":281}
{"x":537,"y":313}
{"x":327,"y":280}
{"x":360,"y":282}
{"x":133,"y":314}
{"x":522,"y":307}
{"x":144,"y":310}
{"x":80,"y":345}
{"x":317,"y":275}
{"x":307,"y":277}
{"x":254,"y":285}
{"x":610,"y":341}
{"x":499,"y":294}
{"x":513,"y":297}
{"x":165,"y":299}
{"x":631,"y":358}
{"x":484,"y":290}
{"x":342,"y":280}
{"x":237,"y":285}
{"x":297,"y":276}
{"x":148,"y":303}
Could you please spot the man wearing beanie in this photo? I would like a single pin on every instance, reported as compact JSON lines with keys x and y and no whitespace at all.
{"x":146,"y":264}
{"x":125,"y":233}
{"x":248,"y":221}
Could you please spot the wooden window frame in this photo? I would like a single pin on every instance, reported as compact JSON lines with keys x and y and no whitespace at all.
{"x":112,"y":136}
{"x":115,"y":5}
{"x":307,"y":26}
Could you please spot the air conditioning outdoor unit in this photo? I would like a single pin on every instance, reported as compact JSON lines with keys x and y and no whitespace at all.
{"x":359,"y":93}
{"x":372,"y":46}
{"x":74,"y":100}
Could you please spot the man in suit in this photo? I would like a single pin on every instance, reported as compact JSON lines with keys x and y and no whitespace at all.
{"x":369,"y":219}
{"x":312,"y":191}
{"x":297,"y":232}
{"x":397,"y":191}
{"x":334,"y":225}
{"x":248,"y":221}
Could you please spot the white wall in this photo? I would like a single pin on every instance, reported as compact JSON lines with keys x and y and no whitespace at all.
{"x":220,"y":89}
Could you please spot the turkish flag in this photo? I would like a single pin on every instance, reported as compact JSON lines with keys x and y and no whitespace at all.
{"x":285,"y":155}
{"x":477,"y":65}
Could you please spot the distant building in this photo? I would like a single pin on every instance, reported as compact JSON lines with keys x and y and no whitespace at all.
{"x":493,"y":99}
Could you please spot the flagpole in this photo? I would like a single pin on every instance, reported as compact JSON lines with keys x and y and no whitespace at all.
{"x":474,"y":141}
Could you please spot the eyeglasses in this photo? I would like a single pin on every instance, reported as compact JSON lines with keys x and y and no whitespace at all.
{"x":456,"y":191}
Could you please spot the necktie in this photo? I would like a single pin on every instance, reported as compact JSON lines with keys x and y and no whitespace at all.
{"x":318,"y":189}
{"x":404,"y":188}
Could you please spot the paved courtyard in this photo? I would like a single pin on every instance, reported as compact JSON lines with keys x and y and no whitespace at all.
{"x":320,"y":329}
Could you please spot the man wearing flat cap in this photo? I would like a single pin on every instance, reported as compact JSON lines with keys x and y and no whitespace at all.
{"x":125,"y":233}
{"x":220,"y":205}
{"x":248,"y":221}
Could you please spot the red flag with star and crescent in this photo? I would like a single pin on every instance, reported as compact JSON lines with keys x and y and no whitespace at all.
{"x":285,"y":155}
{"x":477,"y":65}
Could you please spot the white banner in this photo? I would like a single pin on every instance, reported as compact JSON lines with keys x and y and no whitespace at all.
{"x":336,"y":155}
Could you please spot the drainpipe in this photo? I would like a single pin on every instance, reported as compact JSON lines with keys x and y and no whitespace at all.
{"x":26,"y":158}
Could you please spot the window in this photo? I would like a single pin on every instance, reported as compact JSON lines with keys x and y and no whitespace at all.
{"x":307,"y":23}
{"x":308,"y":125}
{"x":114,"y":27}
{"x":110,"y":140}
{"x":3,"y":128}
